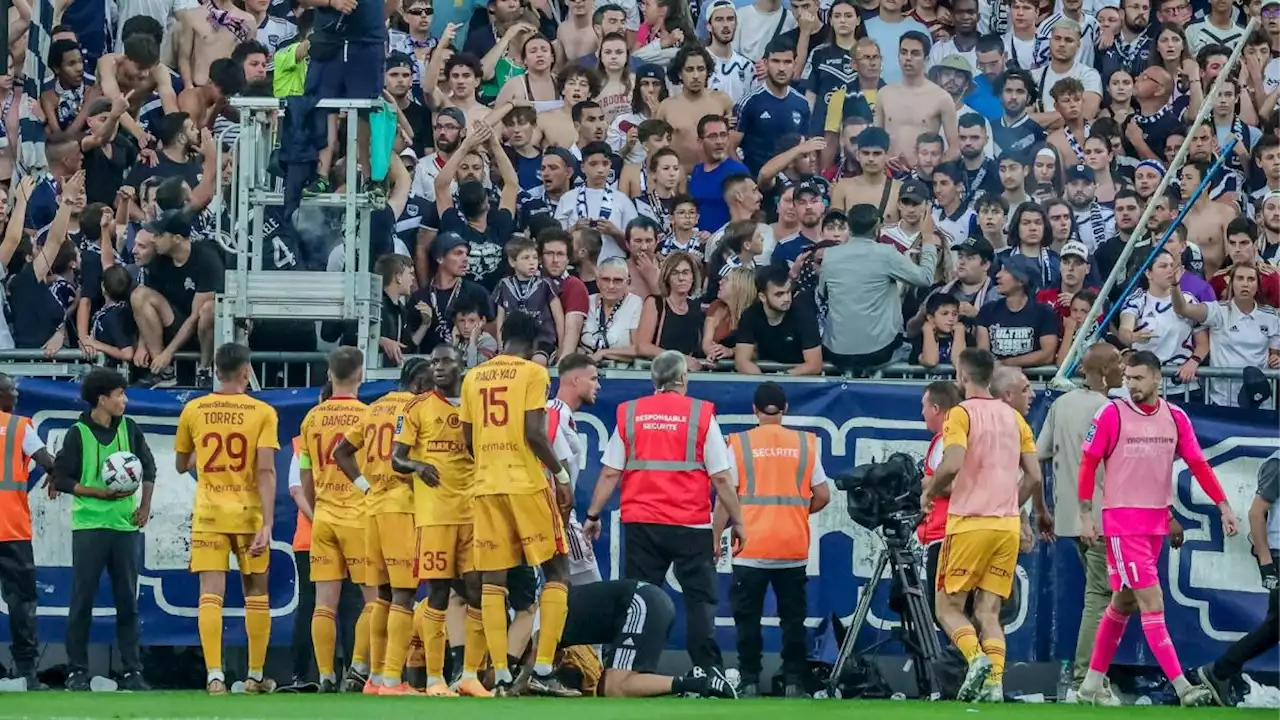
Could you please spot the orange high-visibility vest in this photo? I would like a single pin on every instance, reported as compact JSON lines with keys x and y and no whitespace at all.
{"x":15,"y":513}
{"x":775,"y":484}
{"x":301,"y":533}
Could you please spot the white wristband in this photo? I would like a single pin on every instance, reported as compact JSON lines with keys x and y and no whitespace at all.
{"x":562,"y":477}
{"x":362,"y":484}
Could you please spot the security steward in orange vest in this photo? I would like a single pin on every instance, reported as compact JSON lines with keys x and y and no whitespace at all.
{"x":781,"y":483}
{"x":21,"y":444}
{"x":668,"y":452}
{"x":350,"y":603}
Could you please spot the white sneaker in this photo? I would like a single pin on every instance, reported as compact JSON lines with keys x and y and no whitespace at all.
{"x":1196,"y":696}
{"x":974,"y":679}
{"x":992,"y":692}
{"x":1071,"y":698}
{"x":1102,"y":696}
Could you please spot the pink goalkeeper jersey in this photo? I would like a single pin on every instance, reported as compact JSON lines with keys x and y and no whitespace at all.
{"x":1138,"y":448}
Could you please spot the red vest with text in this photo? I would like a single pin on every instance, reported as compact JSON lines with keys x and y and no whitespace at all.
{"x":15,"y":513}
{"x":664,"y":481}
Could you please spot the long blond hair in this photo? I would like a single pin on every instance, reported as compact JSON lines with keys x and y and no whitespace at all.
{"x":739,"y":285}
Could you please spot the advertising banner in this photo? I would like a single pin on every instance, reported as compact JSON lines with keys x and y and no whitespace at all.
{"x":1213,"y":591}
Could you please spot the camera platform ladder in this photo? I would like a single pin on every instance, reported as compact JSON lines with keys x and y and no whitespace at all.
{"x":252,"y":293}
{"x":919,"y":637}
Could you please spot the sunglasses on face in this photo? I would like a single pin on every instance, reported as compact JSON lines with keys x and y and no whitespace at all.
{"x":419,"y":12}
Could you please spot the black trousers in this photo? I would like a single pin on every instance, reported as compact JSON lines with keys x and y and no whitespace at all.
{"x":651,"y":550}
{"x":116,"y":552}
{"x":18,"y":586}
{"x":350,"y":604}
{"x":746,"y":596}
{"x":1260,"y":640}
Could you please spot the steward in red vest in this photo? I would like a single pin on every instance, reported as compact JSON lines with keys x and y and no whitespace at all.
{"x":668,"y":452}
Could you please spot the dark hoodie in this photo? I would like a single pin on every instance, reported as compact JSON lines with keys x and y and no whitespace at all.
{"x":69,"y":463}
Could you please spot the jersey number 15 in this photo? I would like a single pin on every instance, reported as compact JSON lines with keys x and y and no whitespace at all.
{"x":496,"y":412}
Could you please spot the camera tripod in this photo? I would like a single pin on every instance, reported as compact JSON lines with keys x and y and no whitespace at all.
{"x":920,"y":637}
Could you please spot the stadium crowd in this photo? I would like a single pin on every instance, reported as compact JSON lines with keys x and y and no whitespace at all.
{"x":842,"y":183}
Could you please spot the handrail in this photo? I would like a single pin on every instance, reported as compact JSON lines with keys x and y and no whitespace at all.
{"x":723,"y":368}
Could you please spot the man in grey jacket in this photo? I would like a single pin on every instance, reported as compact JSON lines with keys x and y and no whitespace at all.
{"x":860,"y":281}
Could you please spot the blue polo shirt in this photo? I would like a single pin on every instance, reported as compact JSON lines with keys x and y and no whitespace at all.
{"x":705,"y":188}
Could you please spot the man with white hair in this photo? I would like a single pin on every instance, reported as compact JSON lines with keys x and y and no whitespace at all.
{"x":668,"y":450}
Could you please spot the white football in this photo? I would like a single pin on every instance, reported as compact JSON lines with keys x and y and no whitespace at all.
{"x":122,"y":472}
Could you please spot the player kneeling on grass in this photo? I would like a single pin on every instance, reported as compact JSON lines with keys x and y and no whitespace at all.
{"x":632,"y":619}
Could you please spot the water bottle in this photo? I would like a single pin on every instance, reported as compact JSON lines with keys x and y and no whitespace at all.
{"x":1065,"y":681}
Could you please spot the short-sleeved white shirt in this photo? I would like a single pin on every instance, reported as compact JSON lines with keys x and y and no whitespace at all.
{"x":1046,"y":78}
{"x":31,"y":442}
{"x":1239,"y":339}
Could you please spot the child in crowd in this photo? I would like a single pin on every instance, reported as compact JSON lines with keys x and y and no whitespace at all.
{"x":114,"y":332}
{"x":939,"y":343}
{"x":469,"y":335}
{"x":527,"y":291}
{"x":684,"y":236}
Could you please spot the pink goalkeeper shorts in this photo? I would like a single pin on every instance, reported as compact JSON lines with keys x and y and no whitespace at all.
{"x":1132,"y":561}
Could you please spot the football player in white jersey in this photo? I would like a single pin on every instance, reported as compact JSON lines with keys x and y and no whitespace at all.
{"x":579,"y":383}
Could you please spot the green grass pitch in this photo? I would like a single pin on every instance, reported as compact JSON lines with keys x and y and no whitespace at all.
{"x":100,"y":706}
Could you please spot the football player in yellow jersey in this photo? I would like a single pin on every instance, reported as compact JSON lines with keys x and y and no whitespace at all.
{"x":518,"y":516}
{"x":389,"y":537}
{"x":230,"y":440}
{"x":338,"y":508}
{"x":430,"y":445}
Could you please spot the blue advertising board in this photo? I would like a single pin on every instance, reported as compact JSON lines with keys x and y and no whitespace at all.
{"x":1213,"y":591}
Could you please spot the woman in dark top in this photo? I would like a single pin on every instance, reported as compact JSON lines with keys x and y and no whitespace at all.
{"x":672,"y":319}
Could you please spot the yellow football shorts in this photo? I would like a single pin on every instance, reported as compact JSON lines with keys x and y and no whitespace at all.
{"x":211,"y":552}
{"x":444,"y":551}
{"x":510,"y":528}
{"x":388,"y":542}
{"x":981,"y":559}
{"x":337,"y":552}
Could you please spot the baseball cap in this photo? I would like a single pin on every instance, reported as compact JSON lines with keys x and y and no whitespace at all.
{"x":770,"y":398}
{"x":454,"y":114}
{"x":1026,"y":270}
{"x":809,"y":187}
{"x":873,"y":137}
{"x":914,"y":189}
{"x":652,"y":72}
{"x":170,"y":222}
{"x":1077,"y":248}
{"x":399,"y":60}
{"x":444,"y":243}
{"x":977,"y":245}
{"x":409,"y":153}
{"x":570,"y":161}
{"x":1080,"y":172}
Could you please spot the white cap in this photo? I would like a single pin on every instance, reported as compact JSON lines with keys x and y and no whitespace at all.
{"x":1077,"y":248}
{"x":409,"y":153}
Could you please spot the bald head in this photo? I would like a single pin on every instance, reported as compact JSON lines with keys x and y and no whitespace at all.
{"x":1101,"y":366}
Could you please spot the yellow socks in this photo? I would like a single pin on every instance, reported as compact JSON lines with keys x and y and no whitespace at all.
{"x":257,"y":626}
{"x":399,"y":635}
{"x":995,"y":653}
{"x":432,"y":632}
{"x":553,"y":607}
{"x":209,"y":622}
{"x":378,"y":636}
{"x":324,"y":634}
{"x":965,"y":638}
{"x":474,"y":648}
{"x":360,"y":653}
{"x":493,"y":606}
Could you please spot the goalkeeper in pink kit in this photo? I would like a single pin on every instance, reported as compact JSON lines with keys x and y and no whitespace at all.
{"x":1137,"y":441}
